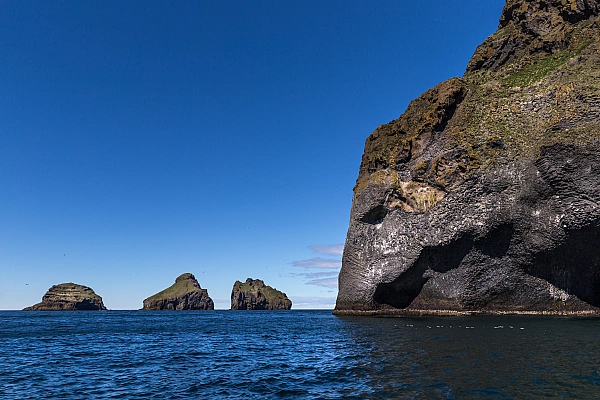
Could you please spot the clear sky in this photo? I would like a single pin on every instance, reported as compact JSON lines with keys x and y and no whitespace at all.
{"x":143,"y":139}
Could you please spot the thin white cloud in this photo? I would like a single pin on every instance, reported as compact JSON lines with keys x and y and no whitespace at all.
{"x":315,"y":275}
{"x":331,"y":283}
{"x":330,"y":267}
{"x":328,"y":249}
{"x":318,"y":263}
{"x":312,"y":302}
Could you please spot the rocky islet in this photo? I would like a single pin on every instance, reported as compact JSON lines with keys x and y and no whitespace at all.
{"x":184,"y":294}
{"x":483,"y":196}
{"x":68,"y":297}
{"x":255,"y":295}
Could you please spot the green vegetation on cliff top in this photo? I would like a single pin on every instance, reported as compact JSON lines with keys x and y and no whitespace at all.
{"x":184,"y":284}
{"x":255,"y":285}
{"x":542,"y":67}
{"x":493,"y":116}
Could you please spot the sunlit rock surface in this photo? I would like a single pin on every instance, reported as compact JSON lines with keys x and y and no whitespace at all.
{"x":68,"y":297}
{"x":483,"y":197}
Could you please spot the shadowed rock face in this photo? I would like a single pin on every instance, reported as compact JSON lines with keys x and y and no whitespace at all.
{"x":483,"y":196}
{"x":255,"y":295}
{"x":184,"y":294}
{"x":68,"y":297}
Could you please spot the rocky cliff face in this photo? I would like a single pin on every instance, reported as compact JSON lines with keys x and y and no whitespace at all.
{"x":68,"y":297}
{"x":255,"y":295}
{"x":184,"y":294}
{"x":483,"y":196}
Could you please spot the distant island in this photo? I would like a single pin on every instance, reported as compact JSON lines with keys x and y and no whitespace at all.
{"x":68,"y":297}
{"x":184,"y":294}
{"x":255,"y":295}
{"x":483,"y":196}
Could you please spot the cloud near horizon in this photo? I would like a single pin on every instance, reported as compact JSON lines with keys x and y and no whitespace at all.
{"x":328,"y":249}
{"x":330,"y":267}
{"x":318,"y":263}
{"x":330,"y":283}
{"x":312,"y":302}
{"x":327,"y":279}
{"x":316,"y":275}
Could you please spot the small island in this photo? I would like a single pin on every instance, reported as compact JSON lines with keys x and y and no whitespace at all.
{"x":255,"y":295}
{"x":69,"y":297}
{"x":184,"y":294}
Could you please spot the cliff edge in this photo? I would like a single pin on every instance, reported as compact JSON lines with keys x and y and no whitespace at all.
{"x":483,"y":196}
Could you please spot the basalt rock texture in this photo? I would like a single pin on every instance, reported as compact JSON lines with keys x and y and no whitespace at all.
{"x":184,"y":294}
{"x":255,"y":295}
{"x":68,"y":297}
{"x":483,"y":196}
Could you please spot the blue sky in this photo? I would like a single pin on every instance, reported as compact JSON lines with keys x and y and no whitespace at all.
{"x":141,"y":140}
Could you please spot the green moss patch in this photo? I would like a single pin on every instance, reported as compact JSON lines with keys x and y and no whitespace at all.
{"x":178,"y":289}
{"x":543,"y":67}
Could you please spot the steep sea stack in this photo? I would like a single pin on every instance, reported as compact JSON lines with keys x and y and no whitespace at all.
{"x":255,"y":295}
{"x":483,"y":196}
{"x":68,"y":297}
{"x":184,"y":294}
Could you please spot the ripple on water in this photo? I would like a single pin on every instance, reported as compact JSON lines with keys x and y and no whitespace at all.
{"x":296,"y":354}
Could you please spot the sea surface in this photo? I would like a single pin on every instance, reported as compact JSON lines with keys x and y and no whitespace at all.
{"x":294,"y":354}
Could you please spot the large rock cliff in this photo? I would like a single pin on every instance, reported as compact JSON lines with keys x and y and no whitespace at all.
{"x":483,"y":196}
{"x":68,"y":297}
{"x":184,"y":294}
{"x":255,"y":295}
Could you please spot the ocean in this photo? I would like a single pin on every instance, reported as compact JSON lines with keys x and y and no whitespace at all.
{"x":294,"y":354}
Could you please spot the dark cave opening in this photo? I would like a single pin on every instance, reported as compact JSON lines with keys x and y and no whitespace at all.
{"x":574,"y":265}
{"x":403,"y":290}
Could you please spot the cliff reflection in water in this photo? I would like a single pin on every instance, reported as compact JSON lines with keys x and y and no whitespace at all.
{"x":471,"y":357}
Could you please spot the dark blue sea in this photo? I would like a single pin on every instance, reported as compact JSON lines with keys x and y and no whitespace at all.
{"x":295,"y":354}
